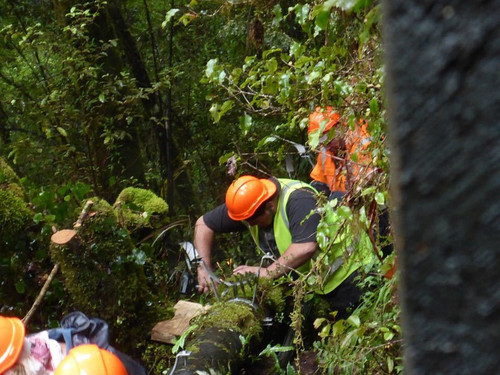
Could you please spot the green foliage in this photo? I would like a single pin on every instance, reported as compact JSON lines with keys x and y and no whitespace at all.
{"x":367,"y":342}
{"x":83,"y":113}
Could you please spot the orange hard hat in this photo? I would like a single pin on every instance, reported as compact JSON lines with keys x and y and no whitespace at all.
{"x":12,"y":334}
{"x":89,"y":359}
{"x":320,"y":116}
{"x":246,"y":194}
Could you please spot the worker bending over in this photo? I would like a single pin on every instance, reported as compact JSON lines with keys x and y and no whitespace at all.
{"x":280,"y":215}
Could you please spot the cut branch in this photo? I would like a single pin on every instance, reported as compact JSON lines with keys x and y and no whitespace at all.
{"x":39,"y":299}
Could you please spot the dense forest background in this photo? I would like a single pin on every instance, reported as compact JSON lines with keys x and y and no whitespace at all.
{"x":177,"y":98}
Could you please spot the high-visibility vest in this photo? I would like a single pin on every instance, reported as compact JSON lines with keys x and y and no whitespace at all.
{"x":348,"y":253}
{"x":281,"y":229}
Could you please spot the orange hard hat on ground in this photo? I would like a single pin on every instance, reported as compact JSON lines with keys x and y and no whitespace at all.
{"x":246,"y":194}
{"x":89,"y":359}
{"x":12,"y":334}
{"x":322,"y":116}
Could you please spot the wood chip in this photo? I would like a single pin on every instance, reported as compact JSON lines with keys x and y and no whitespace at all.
{"x":63,"y":236}
{"x":168,"y":330}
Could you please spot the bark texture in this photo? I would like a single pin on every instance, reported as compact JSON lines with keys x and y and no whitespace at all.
{"x":443,"y":60}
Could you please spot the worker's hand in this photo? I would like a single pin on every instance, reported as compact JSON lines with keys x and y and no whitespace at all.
{"x":203,"y":280}
{"x":241,"y":270}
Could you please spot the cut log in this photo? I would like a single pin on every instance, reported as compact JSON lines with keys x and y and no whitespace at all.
{"x":168,"y":330}
{"x":63,"y":236}
{"x":217,"y":344}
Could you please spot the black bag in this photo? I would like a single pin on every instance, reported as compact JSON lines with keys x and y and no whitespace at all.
{"x":77,"y":329}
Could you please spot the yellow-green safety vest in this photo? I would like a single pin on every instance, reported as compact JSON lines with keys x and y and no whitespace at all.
{"x":343,"y":265}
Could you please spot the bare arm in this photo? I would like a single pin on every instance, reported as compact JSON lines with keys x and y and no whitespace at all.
{"x":203,"y":238}
{"x":295,"y":256}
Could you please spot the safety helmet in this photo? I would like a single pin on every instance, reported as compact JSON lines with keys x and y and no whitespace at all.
{"x":89,"y":359}
{"x":12,"y":334}
{"x":246,"y":194}
{"x":319,"y":116}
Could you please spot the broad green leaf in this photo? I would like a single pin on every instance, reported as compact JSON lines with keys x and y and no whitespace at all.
{"x":278,"y":15}
{"x":390,"y":364}
{"x":380,"y":198}
{"x":268,"y":52}
{"x":266,"y":140}
{"x":318,"y":322}
{"x":301,"y":13}
{"x":322,"y":14}
{"x":337,"y":327}
{"x":214,"y":111}
{"x":225,"y":157}
{"x":311,"y":280}
{"x":272,"y":65}
{"x":297,"y":49}
{"x":368,"y":190}
{"x":168,"y":17}
{"x":345,"y":212}
{"x":211,"y":64}
{"x":38,"y":216}
{"x":354,"y":320}
{"x":245,"y":123}
{"x":313,"y":76}
{"x":325,"y":331}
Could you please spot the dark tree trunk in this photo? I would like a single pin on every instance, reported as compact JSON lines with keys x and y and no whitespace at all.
{"x":443,"y":61}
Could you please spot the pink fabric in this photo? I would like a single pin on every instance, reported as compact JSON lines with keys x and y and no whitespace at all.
{"x":40,"y":356}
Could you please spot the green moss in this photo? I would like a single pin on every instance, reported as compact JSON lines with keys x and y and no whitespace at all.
{"x":140,"y":208}
{"x":14,"y":214}
{"x":269,"y":295}
{"x":103,"y":272}
{"x":9,"y":180}
{"x":233,"y":315}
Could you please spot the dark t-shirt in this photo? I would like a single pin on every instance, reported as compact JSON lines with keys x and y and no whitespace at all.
{"x":300,"y":203}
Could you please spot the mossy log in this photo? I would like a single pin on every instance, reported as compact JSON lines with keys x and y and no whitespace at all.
{"x":232,"y":328}
{"x":213,"y":351}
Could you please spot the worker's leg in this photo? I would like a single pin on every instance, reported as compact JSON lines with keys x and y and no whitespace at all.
{"x":346,"y":297}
